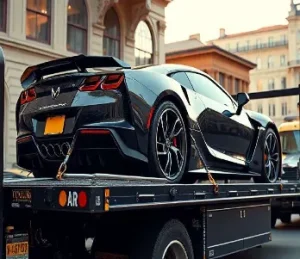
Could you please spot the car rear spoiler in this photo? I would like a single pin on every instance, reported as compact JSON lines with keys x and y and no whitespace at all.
{"x":80,"y":63}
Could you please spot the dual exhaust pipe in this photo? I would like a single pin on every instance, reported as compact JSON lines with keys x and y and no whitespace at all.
{"x":55,"y":150}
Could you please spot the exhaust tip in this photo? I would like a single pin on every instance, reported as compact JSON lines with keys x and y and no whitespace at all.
{"x":57,"y":150}
{"x":51,"y":152}
{"x":44,"y":150}
{"x":65,"y":148}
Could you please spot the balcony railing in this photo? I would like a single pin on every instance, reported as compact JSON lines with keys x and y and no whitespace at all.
{"x":293,"y":63}
{"x":268,"y":45}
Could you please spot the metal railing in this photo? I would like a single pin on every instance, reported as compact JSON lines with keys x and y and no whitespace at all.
{"x":294,"y":62}
{"x":273,"y":44}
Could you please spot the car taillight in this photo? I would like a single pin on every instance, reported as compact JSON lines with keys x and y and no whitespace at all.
{"x":91,"y":83}
{"x":28,"y":96}
{"x":112,"y":82}
{"x":109,"y":82}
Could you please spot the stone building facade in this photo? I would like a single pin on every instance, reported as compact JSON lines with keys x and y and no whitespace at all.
{"x":276,"y":51}
{"x":34,"y":31}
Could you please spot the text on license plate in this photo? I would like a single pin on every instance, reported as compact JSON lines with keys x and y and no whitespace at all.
{"x":55,"y":125}
{"x":16,"y":249}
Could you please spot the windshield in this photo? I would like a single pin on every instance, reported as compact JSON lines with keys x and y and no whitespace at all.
{"x":290,"y":141}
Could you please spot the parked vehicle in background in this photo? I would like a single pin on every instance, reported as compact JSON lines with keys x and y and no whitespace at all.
{"x":290,"y":140}
{"x":289,"y":132}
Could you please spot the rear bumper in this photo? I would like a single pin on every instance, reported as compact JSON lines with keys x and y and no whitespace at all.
{"x":94,"y":150}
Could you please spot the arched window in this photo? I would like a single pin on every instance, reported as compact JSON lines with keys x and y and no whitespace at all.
{"x":143,"y":45}
{"x":38,"y":20}
{"x":77,"y":26}
{"x":111,"y":38}
{"x":3,"y":12}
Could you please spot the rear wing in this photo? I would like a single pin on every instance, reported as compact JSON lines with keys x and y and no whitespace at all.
{"x":80,"y":63}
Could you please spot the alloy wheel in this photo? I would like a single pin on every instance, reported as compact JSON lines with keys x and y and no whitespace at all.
{"x":271,"y":157}
{"x":171,"y":144}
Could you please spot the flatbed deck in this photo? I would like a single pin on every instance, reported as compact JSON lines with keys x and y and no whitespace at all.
{"x":96,"y":195}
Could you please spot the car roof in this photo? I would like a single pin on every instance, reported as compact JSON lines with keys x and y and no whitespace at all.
{"x":168,"y":68}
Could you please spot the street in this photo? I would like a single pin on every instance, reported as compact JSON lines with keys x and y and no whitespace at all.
{"x":285,"y":243}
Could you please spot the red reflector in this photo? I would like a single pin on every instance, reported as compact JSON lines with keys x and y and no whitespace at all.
{"x":82,"y":199}
{"x":24,"y":139}
{"x":94,"y":131}
{"x":150,"y":118}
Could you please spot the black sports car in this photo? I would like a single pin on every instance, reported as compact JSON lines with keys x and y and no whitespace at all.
{"x":166,"y":121}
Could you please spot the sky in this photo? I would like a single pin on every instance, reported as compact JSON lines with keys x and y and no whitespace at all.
{"x":186,"y":17}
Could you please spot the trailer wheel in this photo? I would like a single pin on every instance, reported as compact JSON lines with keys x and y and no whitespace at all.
{"x":273,"y":220}
{"x":286,"y":218}
{"x":170,"y":242}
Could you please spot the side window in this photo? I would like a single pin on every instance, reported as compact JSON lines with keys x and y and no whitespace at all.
{"x":182,"y":79}
{"x":209,"y":89}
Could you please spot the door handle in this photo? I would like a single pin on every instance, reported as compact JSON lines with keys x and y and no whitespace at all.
{"x":242,"y":214}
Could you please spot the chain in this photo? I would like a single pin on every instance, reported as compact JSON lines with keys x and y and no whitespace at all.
{"x":63,"y":166}
{"x":210,"y":177}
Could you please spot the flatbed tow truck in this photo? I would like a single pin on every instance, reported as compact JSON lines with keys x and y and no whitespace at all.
{"x":111,"y":216}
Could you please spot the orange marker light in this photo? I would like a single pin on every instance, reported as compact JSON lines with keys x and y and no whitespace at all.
{"x":62,"y":199}
{"x":106,"y":199}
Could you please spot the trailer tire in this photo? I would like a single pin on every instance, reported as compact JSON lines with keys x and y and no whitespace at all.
{"x":273,"y":220}
{"x":172,"y":240}
{"x":286,"y":218}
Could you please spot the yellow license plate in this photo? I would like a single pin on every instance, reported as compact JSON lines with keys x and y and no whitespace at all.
{"x":17,"y":249}
{"x":55,"y":125}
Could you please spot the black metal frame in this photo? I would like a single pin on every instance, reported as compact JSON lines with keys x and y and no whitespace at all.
{"x":274,"y":93}
{"x":117,"y":195}
{"x":2,"y":70}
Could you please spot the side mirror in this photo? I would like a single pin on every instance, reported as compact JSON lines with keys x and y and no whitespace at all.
{"x":242,"y":99}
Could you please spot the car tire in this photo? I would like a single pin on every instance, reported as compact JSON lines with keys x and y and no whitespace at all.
{"x":168,"y":146}
{"x":271,"y":143}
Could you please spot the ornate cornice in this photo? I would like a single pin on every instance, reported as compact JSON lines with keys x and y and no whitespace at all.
{"x":103,"y":7}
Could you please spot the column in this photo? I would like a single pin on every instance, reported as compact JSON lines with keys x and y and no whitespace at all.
{"x":216,"y":75}
{"x":161,"y":27}
{"x":97,"y":40}
{"x":59,"y":25}
{"x":17,"y":19}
